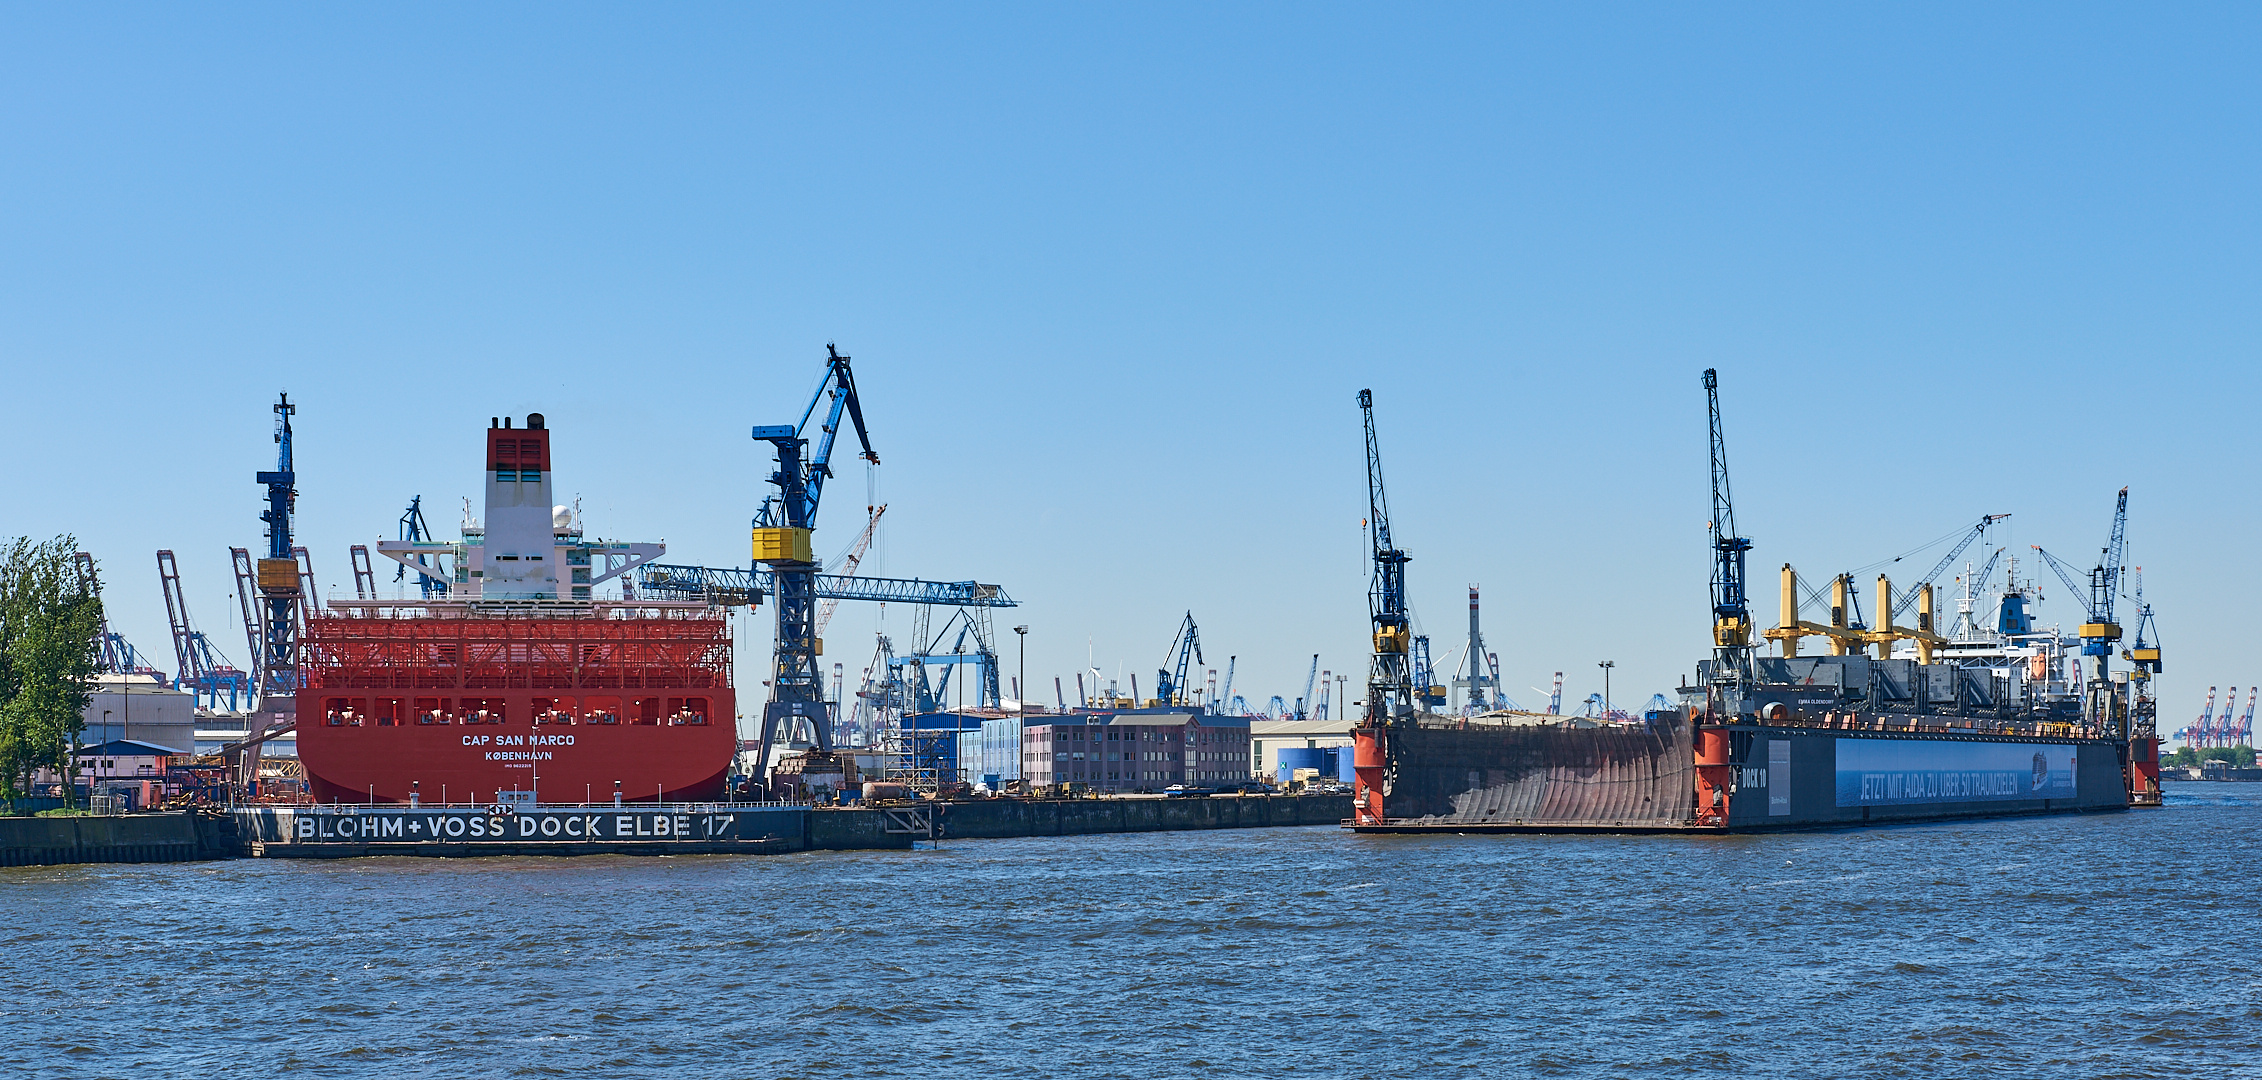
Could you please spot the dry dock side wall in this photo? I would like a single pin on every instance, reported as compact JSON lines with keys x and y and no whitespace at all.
{"x":1802,"y":777}
{"x":1445,"y":775}
{"x":994,"y":818}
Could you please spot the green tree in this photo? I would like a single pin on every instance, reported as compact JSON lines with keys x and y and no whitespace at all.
{"x":48,"y":653}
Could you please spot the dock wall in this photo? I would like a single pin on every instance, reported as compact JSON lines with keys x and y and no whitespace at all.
{"x":995,"y":818}
{"x":135,"y":838}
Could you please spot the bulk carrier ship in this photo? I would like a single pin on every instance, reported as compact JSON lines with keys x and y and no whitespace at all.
{"x":1989,"y":720}
{"x":512,"y":679}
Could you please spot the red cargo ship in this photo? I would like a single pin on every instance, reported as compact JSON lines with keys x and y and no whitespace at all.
{"x":512,"y":679}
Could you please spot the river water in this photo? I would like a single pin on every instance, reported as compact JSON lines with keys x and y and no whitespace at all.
{"x":2119,"y":945}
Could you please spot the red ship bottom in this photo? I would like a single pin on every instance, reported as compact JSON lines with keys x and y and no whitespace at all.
{"x":671,"y":745}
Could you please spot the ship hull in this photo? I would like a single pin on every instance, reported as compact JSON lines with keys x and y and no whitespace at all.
{"x":467,"y":708}
{"x":1445,"y":776}
{"x":475,"y":762}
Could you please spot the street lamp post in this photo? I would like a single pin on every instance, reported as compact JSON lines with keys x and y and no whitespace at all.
{"x":1606,"y":666}
{"x":1021,"y":699}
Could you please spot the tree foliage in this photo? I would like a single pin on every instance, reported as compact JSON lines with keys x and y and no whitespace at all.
{"x":49,"y":621}
{"x":2240,"y":757}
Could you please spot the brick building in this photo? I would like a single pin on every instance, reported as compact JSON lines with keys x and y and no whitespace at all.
{"x":1136,"y":751}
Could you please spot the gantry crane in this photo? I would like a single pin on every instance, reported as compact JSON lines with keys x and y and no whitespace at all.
{"x":364,"y":575}
{"x":1731,"y":611}
{"x":204,"y":673}
{"x":118,"y":656}
{"x":781,"y":540}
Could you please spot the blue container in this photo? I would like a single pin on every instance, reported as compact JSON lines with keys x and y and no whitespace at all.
{"x":1304,"y":757}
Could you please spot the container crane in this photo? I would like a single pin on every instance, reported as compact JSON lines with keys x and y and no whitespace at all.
{"x":1225,"y":695}
{"x":1185,"y":651}
{"x":2216,"y":732}
{"x":781,"y":540}
{"x":364,"y":575}
{"x":118,"y":657}
{"x":204,"y":673}
{"x":1731,"y":611}
{"x":2196,"y":734}
{"x":1390,"y":689}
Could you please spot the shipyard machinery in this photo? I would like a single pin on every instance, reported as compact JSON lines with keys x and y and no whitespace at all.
{"x":1908,"y":597}
{"x":2101,"y":631}
{"x":281,"y":592}
{"x":1185,"y":651}
{"x":1731,"y":611}
{"x":781,"y":542}
{"x":1390,"y":687}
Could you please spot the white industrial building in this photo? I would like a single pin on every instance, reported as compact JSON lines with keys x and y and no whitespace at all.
{"x":142,"y":709}
{"x":1267,"y":738}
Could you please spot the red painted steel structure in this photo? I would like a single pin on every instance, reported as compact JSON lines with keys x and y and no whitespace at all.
{"x":459,"y":706}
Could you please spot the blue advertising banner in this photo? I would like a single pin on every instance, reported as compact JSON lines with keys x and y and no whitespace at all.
{"x":1885,"y":772}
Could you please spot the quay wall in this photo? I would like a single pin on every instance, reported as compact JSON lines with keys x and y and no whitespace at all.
{"x":175,"y":836}
{"x":996,"y":818}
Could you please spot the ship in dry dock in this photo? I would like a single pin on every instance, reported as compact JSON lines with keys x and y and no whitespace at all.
{"x":514,"y":680}
{"x":1895,"y":722}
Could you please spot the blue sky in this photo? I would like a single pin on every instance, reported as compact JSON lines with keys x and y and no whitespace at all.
{"x":1113,"y":276}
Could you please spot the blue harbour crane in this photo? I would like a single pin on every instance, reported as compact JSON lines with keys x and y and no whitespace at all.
{"x":1185,"y":652}
{"x":1731,"y":611}
{"x":278,"y":574}
{"x":2101,"y":631}
{"x":1390,"y":687}
{"x":781,"y":541}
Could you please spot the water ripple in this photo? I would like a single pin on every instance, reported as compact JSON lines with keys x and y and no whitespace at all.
{"x":2101,"y":946}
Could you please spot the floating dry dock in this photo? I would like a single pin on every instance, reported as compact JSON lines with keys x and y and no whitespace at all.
{"x":1671,"y":775}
